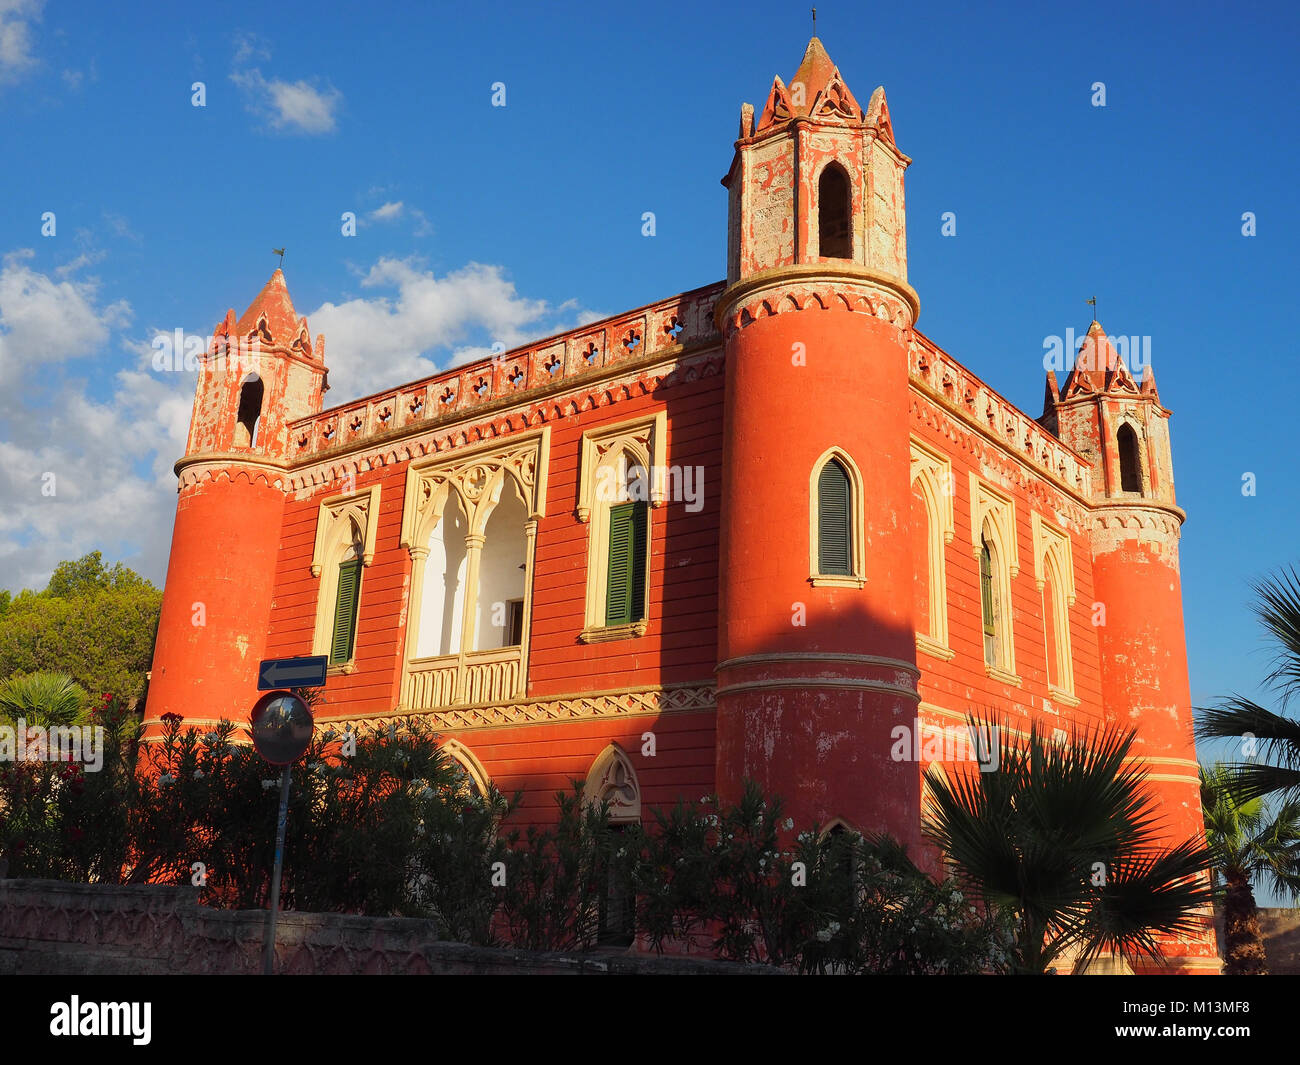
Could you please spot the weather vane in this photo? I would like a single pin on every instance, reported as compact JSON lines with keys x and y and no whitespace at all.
{"x":814,"y":10}
{"x":1093,"y":303}
{"x":279,"y":252}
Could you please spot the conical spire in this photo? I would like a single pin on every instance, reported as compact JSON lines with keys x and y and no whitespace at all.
{"x":815,"y":72}
{"x":282,"y":321}
{"x":1097,"y":366}
{"x":817,"y":90}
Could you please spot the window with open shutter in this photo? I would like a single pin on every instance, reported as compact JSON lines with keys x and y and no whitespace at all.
{"x":625,"y":589}
{"x":345,"y":612}
{"x":834,"y":520}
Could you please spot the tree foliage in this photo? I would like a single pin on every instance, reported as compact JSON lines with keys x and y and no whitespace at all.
{"x":94,"y":623}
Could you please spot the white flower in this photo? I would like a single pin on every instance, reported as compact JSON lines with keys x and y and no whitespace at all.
{"x":704,"y":798}
{"x":267,"y":785}
{"x":166,"y":779}
{"x":824,"y":936}
{"x":789,"y":823}
{"x":198,"y":774}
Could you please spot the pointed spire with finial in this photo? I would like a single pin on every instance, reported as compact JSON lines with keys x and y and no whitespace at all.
{"x":273,"y":302}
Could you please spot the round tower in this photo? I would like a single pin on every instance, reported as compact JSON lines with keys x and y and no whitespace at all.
{"x":1119,"y":424}
{"x":259,"y":373}
{"x":817,"y":651}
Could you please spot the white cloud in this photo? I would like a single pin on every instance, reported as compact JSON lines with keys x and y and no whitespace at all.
{"x":293,"y":106}
{"x":108,"y":461}
{"x":385,"y":341}
{"x":111,"y":452}
{"x":17,"y":54}
{"x":47,"y":321}
{"x":395,"y":210}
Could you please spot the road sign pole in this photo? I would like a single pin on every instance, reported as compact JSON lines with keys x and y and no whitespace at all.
{"x":268,"y":949}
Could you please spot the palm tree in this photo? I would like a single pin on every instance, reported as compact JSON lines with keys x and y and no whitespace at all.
{"x":1066,"y":837}
{"x":1261,"y":731}
{"x":1248,"y":845}
{"x":41,"y":699}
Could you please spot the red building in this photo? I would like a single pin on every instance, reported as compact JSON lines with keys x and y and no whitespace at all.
{"x":751,"y":530}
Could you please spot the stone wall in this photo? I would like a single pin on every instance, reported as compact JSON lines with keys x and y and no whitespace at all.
{"x":51,"y":927}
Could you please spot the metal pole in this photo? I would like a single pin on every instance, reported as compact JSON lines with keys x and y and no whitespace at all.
{"x":268,"y":948}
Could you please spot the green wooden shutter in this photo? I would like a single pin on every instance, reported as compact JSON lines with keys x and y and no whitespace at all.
{"x":986,"y":588}
{"x":625,"y":588}
{"x":345,"y":611}
{"x":834,"y":538}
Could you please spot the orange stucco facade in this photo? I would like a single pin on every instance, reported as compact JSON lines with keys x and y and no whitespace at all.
{"x":477,"y":492}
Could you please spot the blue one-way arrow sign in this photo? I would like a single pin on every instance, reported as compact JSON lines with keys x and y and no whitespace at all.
{"x":292,"y":672}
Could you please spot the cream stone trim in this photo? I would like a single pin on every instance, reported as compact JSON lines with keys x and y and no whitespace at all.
{"x":465,"y":758}
{"x":833,"y":824}
{"x":362,"y":507}
{"x":820,"y":656}
{"x":821,"y":682}
{"x":609,"y":633}
{"x":612,"y":777}
{"x":477,"y":475}
{"x":646,"y":439}
{"x":648,"y":702}
{"x":933,"y":472}
{"x":986,"y":502}
{"x":933,"y":648}
{"x":857,"y":503}
{"x":1054,"y":542}
{"x":1060,"y":695}
{"x":1052,"y":557}
{"x":342,"y":521}
{"x":995,"y":512}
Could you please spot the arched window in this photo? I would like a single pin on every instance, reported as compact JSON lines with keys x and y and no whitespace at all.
{"x":1130,"y":461}
{"x":988,"y":604}
{"x":613,"y":779}
{"x":834,"y":520}
{"x":834,"y":214}
{"x":249,"y":416}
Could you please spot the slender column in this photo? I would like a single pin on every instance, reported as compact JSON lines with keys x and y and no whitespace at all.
{"x":530,"y":550}
{"x":414,"y":604}
{"x":469,"y":626}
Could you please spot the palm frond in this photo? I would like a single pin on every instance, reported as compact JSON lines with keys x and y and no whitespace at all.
{"x":1278,"y":608}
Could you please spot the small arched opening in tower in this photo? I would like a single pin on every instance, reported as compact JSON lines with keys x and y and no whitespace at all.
{"x":1130,"y":462}
{"x":249,"y":417}
{"x":834,"y":214}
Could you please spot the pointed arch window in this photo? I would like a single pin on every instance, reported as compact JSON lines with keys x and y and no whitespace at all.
{"x":932,"y":530}
{"x":988,"y":607}
{"x":612,"y":779}
{"x":834,"y":214}
{"x":1130,"y":459}
{"x":835,"y":521}
{"x":1054,"y":575}
{"x":249,"y":416}
{"x":345,"y":545}
{"x":469,"y":521}
{"x":622,"y":479}
{"x":993,"y":534}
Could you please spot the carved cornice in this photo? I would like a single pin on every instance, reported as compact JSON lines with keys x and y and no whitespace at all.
{"x":412,"y":442}
{"x":200,"y":469}
{"x":629,"y":702}
{"x":846,"y":288}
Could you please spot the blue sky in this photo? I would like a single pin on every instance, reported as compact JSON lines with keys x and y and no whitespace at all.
{"x":480,"y":223}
